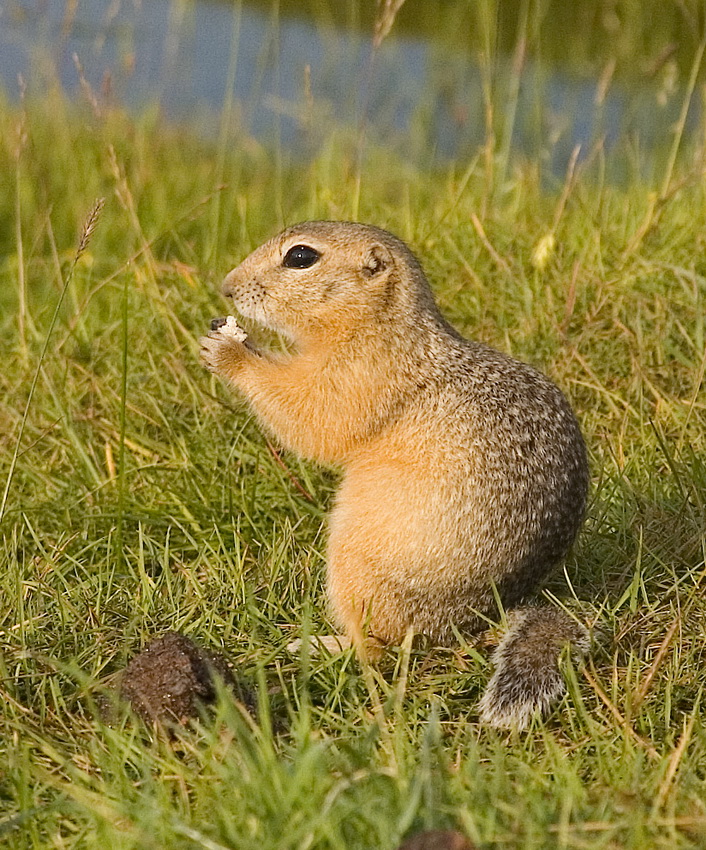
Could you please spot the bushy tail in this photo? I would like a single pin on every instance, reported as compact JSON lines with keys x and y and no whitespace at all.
{"x":527,"y":678}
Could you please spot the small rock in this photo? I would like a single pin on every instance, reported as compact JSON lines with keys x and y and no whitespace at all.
{"x":167,"y":681}
{"x":438,"y":839}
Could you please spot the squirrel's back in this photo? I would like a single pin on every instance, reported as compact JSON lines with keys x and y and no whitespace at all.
{"x":486,"y":460}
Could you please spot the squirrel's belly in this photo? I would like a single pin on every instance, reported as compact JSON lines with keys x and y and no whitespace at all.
{"x":426,"y":545}
{"x":398,"y":520}
{"x":401,"y":556}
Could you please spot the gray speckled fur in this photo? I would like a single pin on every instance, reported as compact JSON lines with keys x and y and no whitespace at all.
{"x":517,"y":515}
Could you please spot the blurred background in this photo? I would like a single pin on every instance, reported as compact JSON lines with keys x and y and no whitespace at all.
{"x":430,"y":80}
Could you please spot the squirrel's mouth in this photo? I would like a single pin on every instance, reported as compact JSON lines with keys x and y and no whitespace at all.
{"x":252,"y":313}
{"x":260,"y":326}
{"x":252,"y":303}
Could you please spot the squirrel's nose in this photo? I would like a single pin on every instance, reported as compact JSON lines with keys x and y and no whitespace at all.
{"x":228,"y":285}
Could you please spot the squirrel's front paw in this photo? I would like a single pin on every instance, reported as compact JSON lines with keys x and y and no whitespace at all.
{"x":224,"y":347}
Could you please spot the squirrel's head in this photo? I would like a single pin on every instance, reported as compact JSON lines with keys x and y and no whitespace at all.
{"x":328,"y":277}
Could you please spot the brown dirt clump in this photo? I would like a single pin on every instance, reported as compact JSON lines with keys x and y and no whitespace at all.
{"x":166,"y":682}
{"x":438,"y":839}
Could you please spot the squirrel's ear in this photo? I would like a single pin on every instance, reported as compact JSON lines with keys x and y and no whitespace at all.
{"x":376,"y":260}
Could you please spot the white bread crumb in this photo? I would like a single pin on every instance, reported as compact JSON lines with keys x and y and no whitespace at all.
{"x":232,"y":328}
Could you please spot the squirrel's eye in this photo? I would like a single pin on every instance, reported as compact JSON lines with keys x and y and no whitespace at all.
{"x":300,"y":257}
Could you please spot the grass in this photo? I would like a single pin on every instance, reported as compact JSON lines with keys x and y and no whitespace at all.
{"x":140,"y":497}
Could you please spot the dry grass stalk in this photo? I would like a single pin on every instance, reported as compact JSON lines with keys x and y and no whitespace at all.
{"x":89,"y":226}
{"x":86,"y":87}
{"x":384,"y":19}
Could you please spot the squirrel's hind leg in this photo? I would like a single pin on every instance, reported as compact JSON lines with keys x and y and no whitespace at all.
{"x":527,"y":677}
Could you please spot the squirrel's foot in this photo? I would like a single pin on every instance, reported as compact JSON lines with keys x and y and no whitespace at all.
{"x":224,"y":347}
{"x":331,"y":644}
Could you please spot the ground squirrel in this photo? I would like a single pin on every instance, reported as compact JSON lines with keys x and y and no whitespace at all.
{"x":464,"y":470}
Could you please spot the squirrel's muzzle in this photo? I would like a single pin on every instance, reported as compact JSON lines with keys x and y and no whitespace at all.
{"x":228,"y":285}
